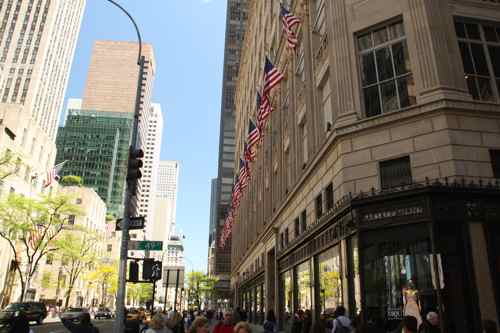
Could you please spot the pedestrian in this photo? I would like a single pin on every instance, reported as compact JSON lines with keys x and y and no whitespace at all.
{"x":270,"y":325}
{"x":84,"y":325}
{"x":341,"y":323}
{"x":225,"y":326}
{"x":409,"y":324}
{"x":200,"y":325}
{"x":236,"y":315}
{"x":431,"y":324}
{"x":157,"y":325}
{"x":297,"y":321}
{"x":242,"y":327}
{"x":176,"y":323}
{"x":489,"y":326}
{"x":307,"y":321}
{"x":20,"y":324}
{"x":320,"y":325}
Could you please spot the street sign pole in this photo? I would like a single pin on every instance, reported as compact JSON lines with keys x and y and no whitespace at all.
{"x":166,"y":291}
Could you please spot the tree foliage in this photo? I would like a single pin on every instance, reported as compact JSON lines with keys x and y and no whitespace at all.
{"x":77,"y":249}
{"x":31,"y":227}
{"x":140,"y":293}
{"x":8,"y":164}
{"x":105,"y":275}
{"x":200,"y":287}
{"x":71,"y":180}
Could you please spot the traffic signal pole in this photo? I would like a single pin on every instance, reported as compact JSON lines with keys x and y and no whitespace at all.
{"x":119,"y":324}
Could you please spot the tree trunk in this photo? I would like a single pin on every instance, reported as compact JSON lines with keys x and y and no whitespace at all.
{"x":68,"y":295}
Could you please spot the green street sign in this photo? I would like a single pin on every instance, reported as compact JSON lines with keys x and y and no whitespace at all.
{"x":145,"y":245}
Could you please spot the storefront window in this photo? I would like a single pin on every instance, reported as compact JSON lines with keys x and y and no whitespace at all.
{"x":304,"y":301}
{"x":329,"y":279}
{"x":288,"y":293}
{"x":258,"y":308}
{"x":398,"y":278}
{"x":354,"y":275}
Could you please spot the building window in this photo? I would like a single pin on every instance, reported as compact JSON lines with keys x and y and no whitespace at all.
{"x":319,"y":205}
{"x":282,"y":241}
{"x":303,"y":221}
{"x":71,"y":219}
{"x":296,"y":227}
{"x":287,"y":238}
{"x":49,"y":260}
{"x":480,"y":49}
{"x":329,"y":197}
{"x":324,"y":96}
{"x":303,"y":134}
{"x":78,"y":201}
{"x":109,"y":247}
{"x":495,"y":163}
{"x":330,"y":279}
{"x":386,"y":76}
{"x":396,"y":172}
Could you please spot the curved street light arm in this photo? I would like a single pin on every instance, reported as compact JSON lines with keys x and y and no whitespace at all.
{"x":135,"y":26}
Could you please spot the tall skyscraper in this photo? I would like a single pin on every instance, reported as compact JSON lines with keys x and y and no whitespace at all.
{"x":112,"y":86}
{"x":166,"y":200}
{"x":236,"y":17}
{"x":212,"y":229}
{"x":151,"y":161}
{"x":37,"y":43}
{"x":110,"y":93}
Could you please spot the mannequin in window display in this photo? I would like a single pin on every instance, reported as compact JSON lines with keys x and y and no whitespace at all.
{"x":411,"y":301}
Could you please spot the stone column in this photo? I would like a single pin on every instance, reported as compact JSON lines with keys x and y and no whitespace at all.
{"x":434,"y":51}
{"x":342,"y":62}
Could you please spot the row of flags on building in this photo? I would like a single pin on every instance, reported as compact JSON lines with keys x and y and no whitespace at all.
{"x":272,"y":77}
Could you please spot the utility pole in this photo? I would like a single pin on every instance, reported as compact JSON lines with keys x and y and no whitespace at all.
{"x":119,"y":325}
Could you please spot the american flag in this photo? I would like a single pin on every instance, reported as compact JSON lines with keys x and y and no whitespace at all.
{"x":236,"y":195}
{"x":265,"y":109}
{"x":253,"y":134}
{"x":244,"y":174}
{"x":289,"y":21}
{"x":226,"y":231}
{"x":53,"y":174}
{"x":271,"y":77}
{"x":248,"y":153}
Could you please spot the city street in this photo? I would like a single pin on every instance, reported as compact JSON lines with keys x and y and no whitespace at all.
{"x":105,"y":326}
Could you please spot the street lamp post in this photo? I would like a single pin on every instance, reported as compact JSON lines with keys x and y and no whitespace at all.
{"x":119,"y":324}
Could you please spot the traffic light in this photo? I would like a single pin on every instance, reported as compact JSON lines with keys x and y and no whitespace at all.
{"x":134,"y":168}
{"x":133,"y":271}
{"x":147,"y":269}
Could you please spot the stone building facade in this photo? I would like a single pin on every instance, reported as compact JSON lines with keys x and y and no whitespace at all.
{"x":376,"y":184}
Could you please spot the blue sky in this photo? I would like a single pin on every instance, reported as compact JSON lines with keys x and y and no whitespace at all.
{"x":188,"y":38}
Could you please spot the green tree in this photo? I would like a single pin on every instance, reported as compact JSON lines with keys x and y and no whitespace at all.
{"x":46,"y":280}
{"x":140,"y":293}
{"x":106,"y":276}
{"x":71,"y":180}
{"x":76,"y":249}
{"x":31,"y":227}
{"x":199,"y":287}
{"x":9,"y":165}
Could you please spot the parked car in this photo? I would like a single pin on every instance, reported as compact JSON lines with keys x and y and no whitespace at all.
{"x":103,"y":313}
{"x":35,"y":311}
{"x":73,"y":314}
{"x":133,"y":314}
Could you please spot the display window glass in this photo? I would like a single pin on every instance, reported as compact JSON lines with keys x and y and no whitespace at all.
{"x":287,"y":284}
{"x":330,"y":282}
{"x":398,"y":278}
{"x":304,"y":299}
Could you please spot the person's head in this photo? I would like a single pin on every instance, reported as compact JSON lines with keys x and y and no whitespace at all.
{"x":489,"y":326}
{"x":242,"y":327}
{"x":157,"y":322}
{"x":84,"y":318}
{"x":199,"y":325}
{"x":410,"y":324}
{"x":433,"y":318}
{"x":270,"y":316}
{"x":340,"y":311}
{"x":228,"y":317}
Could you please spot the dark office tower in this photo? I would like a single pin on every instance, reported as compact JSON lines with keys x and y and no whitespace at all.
{"x":95,"y":146}
{"x":235,"y":27}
